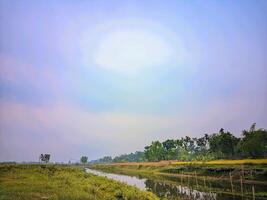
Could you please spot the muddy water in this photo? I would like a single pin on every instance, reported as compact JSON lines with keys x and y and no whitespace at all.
{"x":171,"y":187}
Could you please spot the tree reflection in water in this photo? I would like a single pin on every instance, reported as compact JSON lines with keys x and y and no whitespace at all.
{"x":172,"y":187}
{"x":171,"y":191}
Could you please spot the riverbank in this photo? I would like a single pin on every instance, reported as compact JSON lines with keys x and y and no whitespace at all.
{"x":241,"y":178}
{"x":57,"y":182}
{"x":250,"y":170}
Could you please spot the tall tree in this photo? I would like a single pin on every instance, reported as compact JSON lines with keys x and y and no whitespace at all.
{"x":154,"y":152}
{"x":169,"y":147}
{"x":44,"y":158}
{"x":223,"y":144}
{"x":254,"y":143}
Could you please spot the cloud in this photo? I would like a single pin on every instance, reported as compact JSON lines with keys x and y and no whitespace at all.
{"x":67,"y":131}
{"x":17,"y":72}
{"x":64,"y":129}
{"x":128,"y":50}
{"x":212,"y":75}
{"x":30,"y":83}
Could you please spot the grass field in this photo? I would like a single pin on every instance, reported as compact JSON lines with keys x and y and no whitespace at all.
{"x":32,"y":182}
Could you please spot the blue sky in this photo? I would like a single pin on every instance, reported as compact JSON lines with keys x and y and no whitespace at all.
{"x":107,"y":77}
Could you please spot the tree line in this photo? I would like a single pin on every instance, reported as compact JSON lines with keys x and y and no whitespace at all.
{"x":221,"y":145}
{"x":138,"y":156}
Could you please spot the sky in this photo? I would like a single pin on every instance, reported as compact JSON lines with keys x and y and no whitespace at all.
{"x":108,"y":77}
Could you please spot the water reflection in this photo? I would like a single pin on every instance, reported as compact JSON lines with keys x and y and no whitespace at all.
{"x":171,"y":191}
{"x":172,"y":187}
{"x":134,"y":181}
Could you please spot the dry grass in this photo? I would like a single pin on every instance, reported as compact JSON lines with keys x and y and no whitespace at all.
{"x":228,"y":162}
{"x":157,"y":164}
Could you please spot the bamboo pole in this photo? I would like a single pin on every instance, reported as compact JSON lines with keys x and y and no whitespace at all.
{"x":231,"y":181}
{"x":253,"y":192}
{"x":241,"y":185}
{"x":210,"y":187}
{"x":188,"y":181}
{"x":196,"y":178}
{"x":182,"y":178}
{"x":243,"y":174}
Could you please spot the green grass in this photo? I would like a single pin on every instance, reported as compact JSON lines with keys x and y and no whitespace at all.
{"x":32,"y":182}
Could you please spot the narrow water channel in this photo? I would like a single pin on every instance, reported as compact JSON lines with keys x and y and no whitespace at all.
{"x":184,"y":188}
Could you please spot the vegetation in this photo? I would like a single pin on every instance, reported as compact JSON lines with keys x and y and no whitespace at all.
{"x":217,"y":176}
{"x":138,"y":156}
{"x":208,"y":177}
{"x":28,"y":182}
{"x":84,"y":159}
{"x":221,"y":145}
{"x":249,"y":169}
{"x":44,"y":158}
{"x":228,"y":162}
{"x":254,"y":143}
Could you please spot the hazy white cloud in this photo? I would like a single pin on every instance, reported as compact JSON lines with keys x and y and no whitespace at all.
{"x":133,"y":44}
{"x":57,"y":128}
{"x":130,"y":50}
{"x":67,"y":131}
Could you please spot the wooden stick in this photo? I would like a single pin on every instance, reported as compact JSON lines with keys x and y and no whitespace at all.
{"x":182,"y":178}
{"x":241,"y":184}
{"x":196,"y":178}
{"x":188,"y":181}
{"x":231,"y":181}
{"x":253,"y":192}
{"x":243,"y":174}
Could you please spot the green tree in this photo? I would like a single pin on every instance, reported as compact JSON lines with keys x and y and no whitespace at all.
{"x":187,"y":149}
{"x":169,"y":147}
{"x":84,"y":159}
{"x":254,"y":143}
{"x":223,"y":144}
{"x":177,"y":152}
{"x":138,"y":156}
{"x":154,"y":152}
{"x":202,"y":144}
{"x":105,"y":159}
{"x":44,"y":158}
